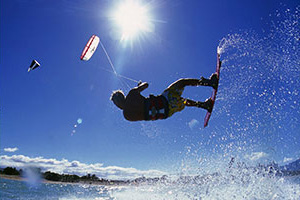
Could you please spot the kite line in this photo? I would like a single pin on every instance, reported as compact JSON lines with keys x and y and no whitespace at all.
{"x":114,"y":69}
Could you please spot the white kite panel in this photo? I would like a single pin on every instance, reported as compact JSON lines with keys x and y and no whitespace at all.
{"x":90,"y":48}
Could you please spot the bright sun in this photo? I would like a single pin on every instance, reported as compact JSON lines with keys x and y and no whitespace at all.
{"x":132,"y":19}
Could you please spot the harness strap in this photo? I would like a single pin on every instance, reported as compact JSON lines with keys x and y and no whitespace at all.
{"x":156,"y":107}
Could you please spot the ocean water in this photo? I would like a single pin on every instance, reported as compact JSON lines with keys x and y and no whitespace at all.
{"x":236,"y":184}
{"x":12,"y":189}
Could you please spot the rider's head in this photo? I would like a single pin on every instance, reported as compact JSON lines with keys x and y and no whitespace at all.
{"x":118,"y":98}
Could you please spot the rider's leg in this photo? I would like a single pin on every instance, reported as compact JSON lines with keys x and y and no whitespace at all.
{"x":207,"y":105}
{"x":181,"y":83}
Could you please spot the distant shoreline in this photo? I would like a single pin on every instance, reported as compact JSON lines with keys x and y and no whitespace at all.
{"x":19,"y":178}
{"x":12,"y":177}
{"x":52,"y":177}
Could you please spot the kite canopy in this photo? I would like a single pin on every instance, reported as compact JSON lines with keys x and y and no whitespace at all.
{"x":34,"y":64}
{"x":90,"y":48}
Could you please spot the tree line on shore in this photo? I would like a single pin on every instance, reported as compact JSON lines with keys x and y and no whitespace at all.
{"x":52,"y":176}
{"x":89,"y":179}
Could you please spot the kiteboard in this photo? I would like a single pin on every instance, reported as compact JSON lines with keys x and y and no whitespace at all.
{"x":214,"y":93}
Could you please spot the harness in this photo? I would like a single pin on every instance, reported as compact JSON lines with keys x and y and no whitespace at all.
{"x":156,"y":107}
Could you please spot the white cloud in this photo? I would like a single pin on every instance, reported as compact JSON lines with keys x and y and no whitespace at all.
{"x":256,"y":156}
{"x":287,"y":159}
{"x":76,"y":167}
{"x":11,"y":149}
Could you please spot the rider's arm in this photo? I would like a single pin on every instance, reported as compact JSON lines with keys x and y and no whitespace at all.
{"x":142,"y":86}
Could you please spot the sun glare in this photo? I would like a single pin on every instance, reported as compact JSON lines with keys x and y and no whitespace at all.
{"x":132,"y":18}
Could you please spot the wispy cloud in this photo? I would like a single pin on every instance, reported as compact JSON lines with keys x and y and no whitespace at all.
{"x":256,"y":156}
{"x":193,"y":123}
{"x":287,"y":159}
{"x":65,"y":166}
{"x":11,"y":149}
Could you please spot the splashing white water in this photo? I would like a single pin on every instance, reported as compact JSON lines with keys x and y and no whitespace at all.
{"x":258,"y":100}
{"x":234,"y":184}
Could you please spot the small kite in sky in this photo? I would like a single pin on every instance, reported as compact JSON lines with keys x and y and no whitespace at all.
{"x":34,"y":64}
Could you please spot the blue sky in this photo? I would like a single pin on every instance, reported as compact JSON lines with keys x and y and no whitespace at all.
{"x":39,"y":109}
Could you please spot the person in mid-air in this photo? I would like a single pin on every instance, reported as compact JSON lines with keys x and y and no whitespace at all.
{"x":137,"y":107}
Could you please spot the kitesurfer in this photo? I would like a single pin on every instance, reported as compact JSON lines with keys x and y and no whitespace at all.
{"x":137,"y":107}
